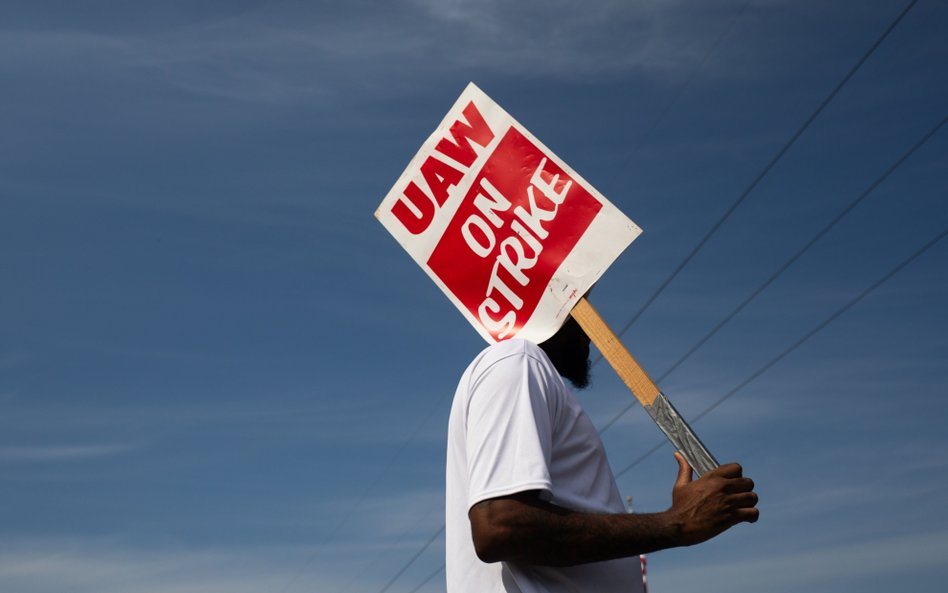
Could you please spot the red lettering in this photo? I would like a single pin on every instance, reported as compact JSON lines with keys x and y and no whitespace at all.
{"x":476,"y":129}
{"x":416,"y":209}
{"x":440,"y":177}
{"x":417,"y":213}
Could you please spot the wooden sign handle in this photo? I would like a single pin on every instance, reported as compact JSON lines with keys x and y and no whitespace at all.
{"x":643,"y":388}
{"x":634,"y":376}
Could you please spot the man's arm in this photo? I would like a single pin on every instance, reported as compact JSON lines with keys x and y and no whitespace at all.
{"x":523,"y":528}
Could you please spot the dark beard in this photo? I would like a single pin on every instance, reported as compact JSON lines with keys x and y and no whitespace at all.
{"x":572,"y":362}
{"x":576,"y":371}
{"x":568,"y":350}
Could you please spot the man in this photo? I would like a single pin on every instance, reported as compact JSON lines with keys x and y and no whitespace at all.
{"x":532,"y":505}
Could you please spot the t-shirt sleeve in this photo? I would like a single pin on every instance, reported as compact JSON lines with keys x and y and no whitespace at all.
{"x":509,"y":429}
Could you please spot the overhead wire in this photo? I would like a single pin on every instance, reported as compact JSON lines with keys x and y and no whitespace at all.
{"x":359,"y":501}
{"x":411,"y":561}
{"x":428,"y":579}
{"x":789,"y":262}
{"x":783,"y":354}
{"x":767,"y":168}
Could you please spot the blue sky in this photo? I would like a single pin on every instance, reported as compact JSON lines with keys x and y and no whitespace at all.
{"x":218,"y":372}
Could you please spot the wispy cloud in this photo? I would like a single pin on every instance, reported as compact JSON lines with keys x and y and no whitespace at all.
{"x":287,"y":53}
{"x":51,"y":453}
{"x":114,"y":565}
{"x":106,"y":567}
{"x":412,"y":513}
{"x":563,"y":38}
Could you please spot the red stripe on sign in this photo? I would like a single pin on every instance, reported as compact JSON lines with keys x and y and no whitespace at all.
{"x":518,"y":222}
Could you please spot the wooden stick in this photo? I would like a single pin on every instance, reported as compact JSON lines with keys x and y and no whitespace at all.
{"x":636,"y":379}
{"x":644,"y":389}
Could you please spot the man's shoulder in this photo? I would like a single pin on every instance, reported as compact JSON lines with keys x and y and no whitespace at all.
{"x":513,"y":349}
{"x":508,"y":360}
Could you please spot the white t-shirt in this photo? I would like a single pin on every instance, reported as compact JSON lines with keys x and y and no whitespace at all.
{"x":515,"y":427}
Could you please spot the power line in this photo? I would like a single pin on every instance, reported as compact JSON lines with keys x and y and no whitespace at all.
{"x":360,"y":501}
{"x":773,"y":161}
{"x":425,"y":582}
{"x":819,"y":327}
{"x":780,"y":270}
{"x":412,"y":560}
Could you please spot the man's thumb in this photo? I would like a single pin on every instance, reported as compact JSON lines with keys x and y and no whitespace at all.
{"x":684,"y":471}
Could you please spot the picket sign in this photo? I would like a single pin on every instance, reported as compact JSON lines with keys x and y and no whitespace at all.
{"x":514,"y":237}
{"x":508,"y":231}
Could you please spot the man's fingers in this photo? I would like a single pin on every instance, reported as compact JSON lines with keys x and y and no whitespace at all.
{"x":728,"y":470}
{"x":735,"y":485}
{"x":684,"y":471}
{"x":747,"y":515}
{"x":742,"y":500}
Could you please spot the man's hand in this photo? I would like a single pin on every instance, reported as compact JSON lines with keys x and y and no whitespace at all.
{"x":705,"y":507}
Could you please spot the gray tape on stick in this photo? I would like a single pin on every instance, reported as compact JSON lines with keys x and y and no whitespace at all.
{"x":680,"y":434}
